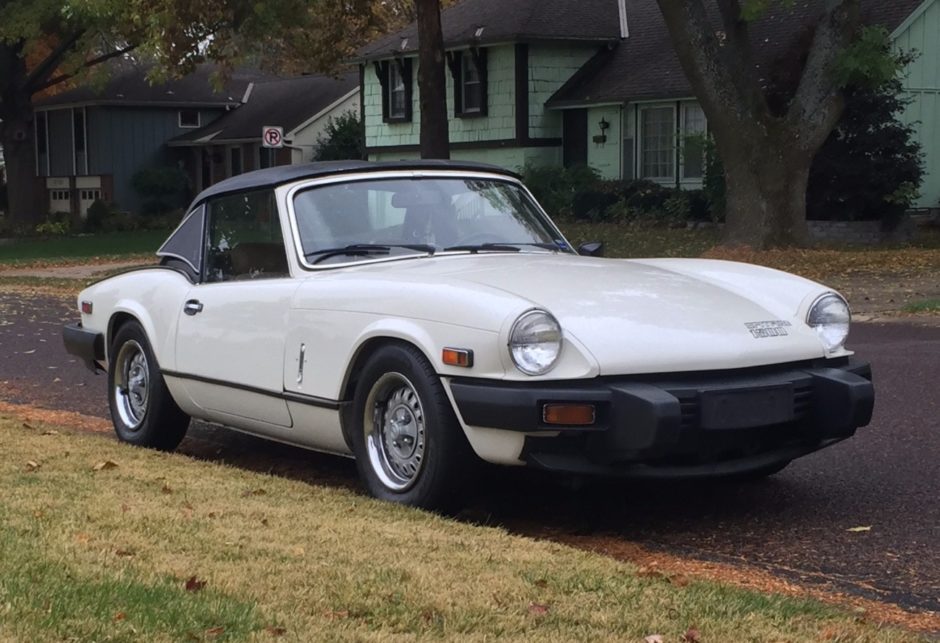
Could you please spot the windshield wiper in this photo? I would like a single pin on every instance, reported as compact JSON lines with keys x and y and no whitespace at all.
{"x":365,"y":249}
{"x":505,"y":246}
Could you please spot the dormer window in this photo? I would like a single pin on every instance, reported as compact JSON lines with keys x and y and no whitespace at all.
{"x":396,"y":79}
{"x":469,"y":71}
{"x":189,"y":118}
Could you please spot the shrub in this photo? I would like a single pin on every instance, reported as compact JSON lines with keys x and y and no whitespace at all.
{"x":646,"y":196}
{"x":341,"y":140}
{"x":592,"y":205}
{"x":56,"y":224}
{"x":98,"y":213}
{"x":555,"y":187}
{"x":162,"y":189}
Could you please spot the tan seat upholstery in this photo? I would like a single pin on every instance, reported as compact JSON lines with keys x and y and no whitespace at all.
{"x":252,"y":259}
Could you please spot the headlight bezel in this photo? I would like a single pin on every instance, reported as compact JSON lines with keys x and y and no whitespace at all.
{"x":527,"y":367}
{"x":833,"y":342}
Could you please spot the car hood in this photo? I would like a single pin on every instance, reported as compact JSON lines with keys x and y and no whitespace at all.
{"x":642,"y":316}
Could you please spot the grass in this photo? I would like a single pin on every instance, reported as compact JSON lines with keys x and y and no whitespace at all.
{"x":116,"y":245}
{"x":93,"y":553}
{"x":925,"y":306}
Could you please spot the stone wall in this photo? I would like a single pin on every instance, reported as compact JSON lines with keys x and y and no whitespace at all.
{"x":861,"y":233}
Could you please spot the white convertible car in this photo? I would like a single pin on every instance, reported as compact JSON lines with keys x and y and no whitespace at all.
{"x":423,"y":315}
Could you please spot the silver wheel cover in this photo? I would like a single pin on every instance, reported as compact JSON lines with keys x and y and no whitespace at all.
{"x":131,"y":384}
{"x":393,"y":423}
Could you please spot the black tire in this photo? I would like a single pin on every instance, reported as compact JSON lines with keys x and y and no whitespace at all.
{"x":143,"y":413}
{"x":409,"y":446}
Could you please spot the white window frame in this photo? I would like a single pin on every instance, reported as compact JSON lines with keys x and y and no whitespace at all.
{"x":198,"y":124}
{"x":684,"y":133}
{"x":400,"y":87}
{"x":466,"y":64}
{"x":641,"y":142}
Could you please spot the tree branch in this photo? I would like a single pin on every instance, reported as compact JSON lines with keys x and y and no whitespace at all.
{"x":87,"y":64}
{"x":43,"y":70}
{"x":817,"y":103}
{"x":727,"y":92}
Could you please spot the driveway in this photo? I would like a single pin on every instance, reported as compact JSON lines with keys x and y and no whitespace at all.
{"x":862,"y":516}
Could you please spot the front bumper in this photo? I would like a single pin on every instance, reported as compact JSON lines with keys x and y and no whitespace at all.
{"x":680,"y":425}
{"x":85,"y":344}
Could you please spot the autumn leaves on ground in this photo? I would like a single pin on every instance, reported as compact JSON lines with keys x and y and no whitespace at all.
{"x":101,"y":541}
{"x":104,"y":541}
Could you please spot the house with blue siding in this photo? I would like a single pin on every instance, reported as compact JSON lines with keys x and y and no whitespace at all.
{"x":597,"y":83}
{"x":91,"y":140}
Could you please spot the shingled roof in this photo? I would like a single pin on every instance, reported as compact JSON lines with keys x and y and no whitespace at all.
{"x":500,"y":21}
{"x":284,"y":102}
{"x":127,"y":84}
{"x":645,"y":66}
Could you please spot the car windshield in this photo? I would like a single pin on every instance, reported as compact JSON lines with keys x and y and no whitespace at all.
{"x":361,"y":220}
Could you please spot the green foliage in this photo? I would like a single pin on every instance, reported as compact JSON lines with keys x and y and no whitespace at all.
{"x":163,"y":188}
{"x":870,"y":166}
{"x":554,"y":187}
{"x":592,"y":204}
{"x":341,"y":140}
{"x":56,"y":225}
{"x":868,"y":61}
{"x":98,"y":213}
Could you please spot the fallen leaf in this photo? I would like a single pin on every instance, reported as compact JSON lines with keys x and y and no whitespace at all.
{"x":653,"y":638}
{"x":194,"y":584}
{"x":107,"y":464}
{"x":82,"y":537}
{"x":538,"y":608}
{"x":274,"y":630}
{"x":125,"y":552}
{"x":165,"y":489}
{"x":254,"y":492}
{"x":214,"y":632}
{"x":691,"y":635}
{"x":333,"y":615}
{"x":50,"y":432}
{"x":29,"y":352}
{"x":264,"y":521}
{"x":32,"y":465}
{"x":120,"y":616}
{"x":859,"y":529}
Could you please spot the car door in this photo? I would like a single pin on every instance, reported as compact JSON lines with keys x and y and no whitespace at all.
{"x":230,"y":338}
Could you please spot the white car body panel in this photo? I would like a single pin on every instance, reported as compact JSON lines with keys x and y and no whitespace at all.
{"x":239,"y":360}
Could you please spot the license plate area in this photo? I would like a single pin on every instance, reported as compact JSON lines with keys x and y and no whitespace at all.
{"x":746,"y":408}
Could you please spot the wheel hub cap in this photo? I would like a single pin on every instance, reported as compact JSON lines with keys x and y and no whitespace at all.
{"x":395,"y":432}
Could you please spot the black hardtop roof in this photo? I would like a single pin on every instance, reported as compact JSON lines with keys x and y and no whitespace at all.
{"x":275,"y":176}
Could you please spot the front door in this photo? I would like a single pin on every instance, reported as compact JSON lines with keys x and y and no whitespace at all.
{"x":575,"y":137}
{"x":230,"y":339}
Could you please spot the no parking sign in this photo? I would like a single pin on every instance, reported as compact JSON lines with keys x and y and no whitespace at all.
{"x":272,"y":136}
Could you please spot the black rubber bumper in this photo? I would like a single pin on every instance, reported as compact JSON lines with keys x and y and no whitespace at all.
{"x":85,"y":344}
{"x":674,"y":425}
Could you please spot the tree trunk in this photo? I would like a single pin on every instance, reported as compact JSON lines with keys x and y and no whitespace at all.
{"x":16,"y":136}
{"x":432,"y":82}
{"x":766,"y":200}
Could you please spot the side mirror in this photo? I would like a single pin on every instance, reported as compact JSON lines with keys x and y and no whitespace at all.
{"x":591,"y":249}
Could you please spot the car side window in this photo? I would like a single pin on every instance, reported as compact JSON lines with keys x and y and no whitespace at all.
{"x":244,"y":238}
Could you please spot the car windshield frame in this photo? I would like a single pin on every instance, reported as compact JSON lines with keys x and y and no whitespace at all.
{"x":309,"y":263}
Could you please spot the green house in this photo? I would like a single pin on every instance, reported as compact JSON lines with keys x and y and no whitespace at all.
{"x":596,"y":82}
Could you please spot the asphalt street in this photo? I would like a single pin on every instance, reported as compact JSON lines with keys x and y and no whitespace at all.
{"x":798,"y":524}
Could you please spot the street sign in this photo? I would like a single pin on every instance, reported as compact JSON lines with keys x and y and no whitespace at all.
{"x":272,"y":136}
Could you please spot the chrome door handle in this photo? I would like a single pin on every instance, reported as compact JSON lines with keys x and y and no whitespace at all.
{"x":192,"y":307}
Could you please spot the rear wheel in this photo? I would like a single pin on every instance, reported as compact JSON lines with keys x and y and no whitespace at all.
{"x":408,"y":444}
{"x":142,"y":410}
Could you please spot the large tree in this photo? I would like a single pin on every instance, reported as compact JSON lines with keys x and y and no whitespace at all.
{"x":432,"y":81}
{"x":767,"y":149}
{"x":44,"y":43}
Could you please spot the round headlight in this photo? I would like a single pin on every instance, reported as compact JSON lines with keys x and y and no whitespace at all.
{"x":535,"y":342}
{"x":830,"y":317}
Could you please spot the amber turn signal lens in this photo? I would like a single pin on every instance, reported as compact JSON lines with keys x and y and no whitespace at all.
{"x":568,"y":414}
{"x":458,"y":357}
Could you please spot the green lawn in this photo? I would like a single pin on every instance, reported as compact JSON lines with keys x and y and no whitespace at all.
{"x":112,"y":245}
{"x":102,"y":541}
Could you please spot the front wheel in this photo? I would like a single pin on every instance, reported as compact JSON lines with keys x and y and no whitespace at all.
{"x":142,"y":410}
{"x":408,"y":444}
